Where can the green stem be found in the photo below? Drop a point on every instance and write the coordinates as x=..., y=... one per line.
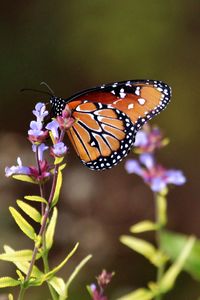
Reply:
x=161, y=268
x=160, y=215
x=21, y=293
x=43, y=227
x=45, y=215
x=46, y=270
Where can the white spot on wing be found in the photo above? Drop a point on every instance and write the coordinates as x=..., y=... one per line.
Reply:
x=141, y=101
x=130, y=106
x=128, y=83
x=137, y=91
x=122, y=94
x=159, y=89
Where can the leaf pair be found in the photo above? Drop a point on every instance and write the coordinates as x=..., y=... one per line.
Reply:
x=21, y=260
x=148, y=250
x=182, y=259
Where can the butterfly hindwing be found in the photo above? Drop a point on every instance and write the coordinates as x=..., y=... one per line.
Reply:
x=101, y=135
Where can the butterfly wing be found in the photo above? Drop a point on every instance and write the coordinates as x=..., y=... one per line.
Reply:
x=109, y=116
x=139, y=99
x=101, y=136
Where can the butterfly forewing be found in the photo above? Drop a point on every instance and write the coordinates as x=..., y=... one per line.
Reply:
x=137, y=98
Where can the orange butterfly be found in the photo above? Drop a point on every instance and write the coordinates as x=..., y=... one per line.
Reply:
x=109, y=116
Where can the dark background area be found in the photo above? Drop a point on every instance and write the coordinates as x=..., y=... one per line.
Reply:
x=74, y=45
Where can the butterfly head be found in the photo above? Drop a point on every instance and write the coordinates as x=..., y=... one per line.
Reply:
x=57, y=105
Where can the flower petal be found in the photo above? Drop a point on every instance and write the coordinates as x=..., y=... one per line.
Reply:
x=141, y=139
x=19, y=161
x=35, y=125
x=41, y=148
x=20, y=169
x=59, y=149
x=132, y=166
x=157, y=184
x=40, y=111
x=175, y=177
x=53, y=127
x=147, y=160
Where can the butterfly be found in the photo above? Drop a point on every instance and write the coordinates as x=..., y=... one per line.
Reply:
x=109, y=116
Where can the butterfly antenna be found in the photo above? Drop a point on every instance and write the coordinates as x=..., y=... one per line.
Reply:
x=48, y=87
x=37, y=91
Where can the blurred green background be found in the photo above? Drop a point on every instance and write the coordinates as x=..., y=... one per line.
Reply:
x=77, y=44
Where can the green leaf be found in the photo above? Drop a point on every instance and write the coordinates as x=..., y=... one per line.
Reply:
x=8, y=281
x=10, y=297
x=50, y=274
x=18, y=256
x=88, y=287
x=59, y=285
x=61, y=167
x=144, y=226
x=52, y=137
x=153, y=286
x=34, y=281
x=24, y=266
x=30, y=211
x=169, y=278
x=139, y=294
x=58, y=160
x=75, y=273
x=146, y=249
x=57, y=189
x=51, y=229
x=20, y=275
x=24, y=178
x=22, y=223
x=36, y=199
x=173, y=243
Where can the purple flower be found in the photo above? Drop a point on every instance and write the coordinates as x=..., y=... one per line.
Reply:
x=43, y=174
x=104, y=278
x=41, y=148
x=36, y=134
x=59, y=149
x=149, y=139
x=19, y=169
x=141, y=139
x=40, y=112
x=156, y=176
x=98, y=291
x=35, y=129
x=65, y=120
x=30, y=171
x=53, y=127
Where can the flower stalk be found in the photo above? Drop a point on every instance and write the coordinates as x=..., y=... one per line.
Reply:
x=161, y=220
x=40, y=174
x=45, y=216
x=157, y=178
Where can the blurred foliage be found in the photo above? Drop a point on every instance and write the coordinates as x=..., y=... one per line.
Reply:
x=173, y=243
x=77, y=44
